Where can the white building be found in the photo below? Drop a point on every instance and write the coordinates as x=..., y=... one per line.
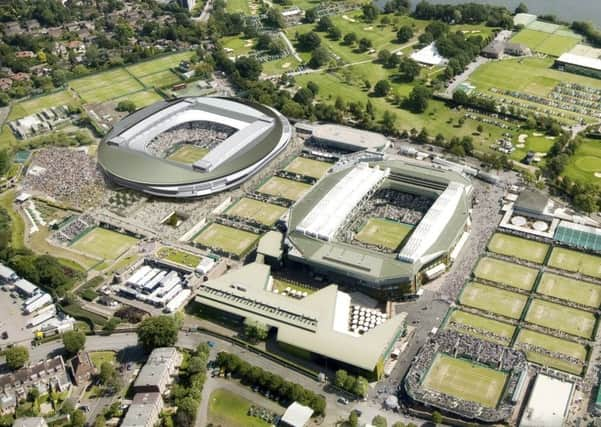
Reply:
x=548, y=403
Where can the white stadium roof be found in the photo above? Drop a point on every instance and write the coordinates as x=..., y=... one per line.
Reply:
x=328, y=215
x=429, y=55
x=581, y=61
x=432, y=224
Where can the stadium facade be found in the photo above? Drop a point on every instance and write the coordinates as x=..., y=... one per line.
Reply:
x=319, y=222
x=235, y=139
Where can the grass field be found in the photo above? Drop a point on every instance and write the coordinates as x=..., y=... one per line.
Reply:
x=507, y=273
x=383, y=232
x=160, y=64
x=279, y=66
x=99, y=357
x=308, y=167
x=465, y=380
x=495, y=300
x=569, y=260
x=160, y=79
x=34, y=105
x=178, y=256
x=285, y=188
x=550, y=44
x=556, y=345
x=238, y=45
x=229, y=409
x=562, y=318
x=537, y=144
x=585, y=162
x=142, y=98
x=105, y=86
x=188, y=154
x=263, y=213
x=238, y=6
x=104, y=243
x=517, y=247
x=570, y=289
x=502, y=330
x=228, y=239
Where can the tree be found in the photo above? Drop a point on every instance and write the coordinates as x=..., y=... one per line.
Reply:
x=308, y=41
x=436, y=417
x=334, y=33
x=248, y=67
x=16, y=357
x=78, y=418
x=126, y=105
x=100, y=421
x=522, y=8
x=417, y=102
x=404, y=34
x=370, y=12
x=4, y=161
x=353, y=419
x=379, y=421
x=319, y=57
x=340, y=379
x=397, y=6
x=4, y=99
x=389, y=122
x=186, y=412
x=365, y=44
x=255, y=331
x=108, y=375
x=74, y=341
x=361, y=387
x=382, y=88
x=350, y=39
x=409, y=69
x=586, y=201
x=160, y=331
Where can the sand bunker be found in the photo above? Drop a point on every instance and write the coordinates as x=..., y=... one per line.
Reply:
x=286, y=65
x=597, y=174
x=348, y=18
x=368, y=28
x=248, y=43
x=519, y=145
x=550, y=137
x=522, y=138
x=537, y=134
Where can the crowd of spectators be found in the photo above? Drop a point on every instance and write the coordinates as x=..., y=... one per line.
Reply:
x=74, y=228
x=200, y=134
x=68, y=175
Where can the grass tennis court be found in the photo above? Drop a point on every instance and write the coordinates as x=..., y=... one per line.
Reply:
x=505, y=272
x=104, y=243
x=105, y=86
x=160, y=64
x=188, y=154
x=567, y=319
x=517, y=247
x=491, y=299
x=556, y=345
x=284, y=188
x=142, y=98
x=550, y=44
x=383, y=232
x=228, y=239
x=570, y=289
x=575, y=261
x=465, y=380
x=308, y=167
x=35, y=105
x=160, y=79
x=503, y=331
x=263, y=213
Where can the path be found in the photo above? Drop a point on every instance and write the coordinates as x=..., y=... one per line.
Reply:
x=291, y=48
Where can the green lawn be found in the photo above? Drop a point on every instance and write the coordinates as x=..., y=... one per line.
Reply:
x=261, y=212
x=465, y=380
x=550, y=44
x=285, y=188
x=228, y=239
x=556, y=345
x=104, y=243
x=160, y=79
x=586, y=162
x=160, y=64
x=188, y=154
x=99, y=357
x=105, y=86
x=17, y=224
x=141, y=98
x=569, y=260
x=384, y=232
x=518, y=247
x=7, y=138
x=308, y=167
x=494, y=300
x=503, y=331
x=567, y=319
x=280, y=66
x=238, y=45
x=238, y=6
x=569, y=289
x=537, y=144
x=34, y=105
x=231, y=410
x=506, y=272
x=178, y=256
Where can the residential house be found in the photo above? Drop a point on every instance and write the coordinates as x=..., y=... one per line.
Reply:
x=27, y=54
x=157, y=372
x=5, y=83
x=12, y=28
x=32, y=25
x=81, y=368
x=144, y=410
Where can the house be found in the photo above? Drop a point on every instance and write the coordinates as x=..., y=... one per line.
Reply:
x=55, y=32
x=20, y=77
x=5, y=83
x=156, y=373
x=493, y=50
x=144, y=410
x=27, y=54
x=32, y=25
x=517, y=49
x=81, y=368
x=76, y=45
x=30, y=421
x=12, y=29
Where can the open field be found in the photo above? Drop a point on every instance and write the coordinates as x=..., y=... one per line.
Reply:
x=160, y=79
x=228, y=239
x=505, y=272
x=104, y=243
x=238, y=45
x=34, y=105
x=503, y=331
x=141, y=98
x=517, y=247
x=263, y=213
x=536, y=144
x=280, y=66
x=567, y=319
x=570, y=289
x=178, y=256
x=465, y=380
x=188, y=154
x=384, y=232
x=495, y=300
x=285, y=188
x=160, y=64
x=580, y=262
x=583, y=165
x=238, y=6
x=99, y=357
x=556, y=345
x=550, y=44
x=308, y=167
x=229, y=409
x=105, y=86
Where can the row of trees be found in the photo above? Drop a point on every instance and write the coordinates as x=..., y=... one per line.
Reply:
x=468, y=13
x=356, y=385
x=284, y=391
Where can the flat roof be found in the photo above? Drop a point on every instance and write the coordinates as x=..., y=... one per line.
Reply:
x=581, y=61
x=429, y=55
x=548, y=402
x=143, y=407
x=271, y=244
x=156, y=367
x=361, y=139
x=310, y=323
x=297, y=415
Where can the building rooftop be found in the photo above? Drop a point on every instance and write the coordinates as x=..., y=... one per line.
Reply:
x=30, y=422
x=156, y=367
x=581, y=61
x=429, y=55
x=142, y=408
x=532, y=201
x=271, y=244
x=548, y=402
x=314, y=323
x=350, y=137
x=297, y=415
